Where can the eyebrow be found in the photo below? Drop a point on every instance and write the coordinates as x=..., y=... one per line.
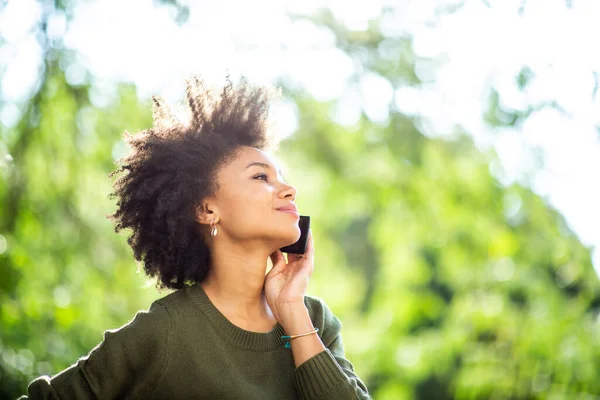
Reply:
x=267, y=166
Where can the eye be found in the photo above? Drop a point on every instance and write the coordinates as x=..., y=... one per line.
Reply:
x=262, y=175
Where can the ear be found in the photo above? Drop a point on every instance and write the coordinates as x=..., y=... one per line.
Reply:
x=205, y=212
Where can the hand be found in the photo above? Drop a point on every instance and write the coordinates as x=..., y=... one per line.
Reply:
x=286, y=283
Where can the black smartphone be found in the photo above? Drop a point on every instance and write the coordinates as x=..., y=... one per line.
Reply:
x=300, y=246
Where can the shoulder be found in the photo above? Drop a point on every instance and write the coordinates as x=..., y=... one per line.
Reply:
x=323, y=318
x=152, y=325
x=147, y=329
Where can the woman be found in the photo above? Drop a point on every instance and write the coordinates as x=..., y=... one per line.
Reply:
x=203, y=199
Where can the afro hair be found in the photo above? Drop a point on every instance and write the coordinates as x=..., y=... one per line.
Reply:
x=173, y=166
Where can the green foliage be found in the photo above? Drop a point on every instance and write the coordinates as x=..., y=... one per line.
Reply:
x=452, y=285
x=462, y=288
x=71, y=276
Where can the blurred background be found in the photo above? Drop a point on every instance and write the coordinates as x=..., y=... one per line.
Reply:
x=445, y=150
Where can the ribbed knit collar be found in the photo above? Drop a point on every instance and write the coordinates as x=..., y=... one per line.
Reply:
x=241, y=338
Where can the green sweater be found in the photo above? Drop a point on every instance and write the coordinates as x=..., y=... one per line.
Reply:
x=183, y=347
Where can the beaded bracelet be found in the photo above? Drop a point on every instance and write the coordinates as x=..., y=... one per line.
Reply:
x=288, y=345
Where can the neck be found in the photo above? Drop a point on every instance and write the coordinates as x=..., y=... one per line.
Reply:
x=235, y=283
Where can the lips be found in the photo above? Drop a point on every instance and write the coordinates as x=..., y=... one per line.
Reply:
x=294, y=209
x=290, y=209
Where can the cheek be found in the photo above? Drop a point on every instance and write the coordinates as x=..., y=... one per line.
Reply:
x=261, y=203
x=250, y=205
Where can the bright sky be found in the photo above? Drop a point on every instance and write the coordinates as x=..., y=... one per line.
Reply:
x=483, y=46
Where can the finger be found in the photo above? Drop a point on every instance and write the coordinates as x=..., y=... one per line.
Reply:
x=295, y=257
x=310, y=247
x=278, y=260
x=276, y=257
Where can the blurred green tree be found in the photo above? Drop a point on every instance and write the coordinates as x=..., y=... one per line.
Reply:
x=66, y=276
x=462, y=287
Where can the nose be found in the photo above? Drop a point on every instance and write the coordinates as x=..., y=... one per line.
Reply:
x=287, y=191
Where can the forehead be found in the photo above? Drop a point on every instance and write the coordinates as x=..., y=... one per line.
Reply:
x=247, y=155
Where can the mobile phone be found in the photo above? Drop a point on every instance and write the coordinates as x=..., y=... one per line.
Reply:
x=300, y=246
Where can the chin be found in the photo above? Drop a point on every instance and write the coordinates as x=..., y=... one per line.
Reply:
x=290, y=236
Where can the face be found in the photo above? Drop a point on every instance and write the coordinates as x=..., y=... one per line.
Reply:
x=245, y=205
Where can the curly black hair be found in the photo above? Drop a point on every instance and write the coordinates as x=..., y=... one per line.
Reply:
x=172, y=167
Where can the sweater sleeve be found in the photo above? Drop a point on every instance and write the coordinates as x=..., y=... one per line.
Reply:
x=328, y=374
x=127, y=363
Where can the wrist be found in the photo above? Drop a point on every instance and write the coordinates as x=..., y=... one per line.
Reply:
x=295, y=319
